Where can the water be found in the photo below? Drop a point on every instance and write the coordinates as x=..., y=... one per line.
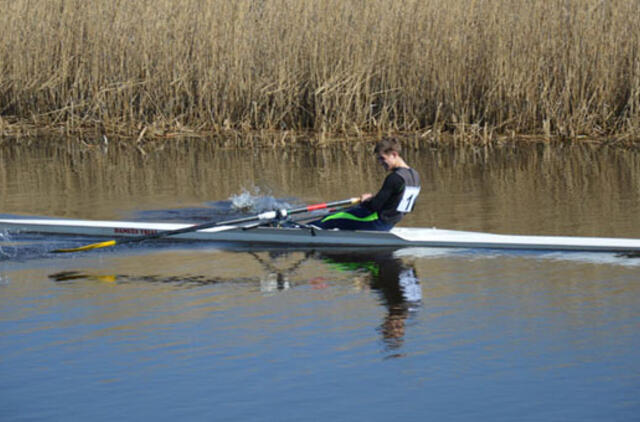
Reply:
x=204, y=332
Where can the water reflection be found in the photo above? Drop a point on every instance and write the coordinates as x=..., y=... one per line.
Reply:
x=189, y=280
x=393, y=279
x=276, y=279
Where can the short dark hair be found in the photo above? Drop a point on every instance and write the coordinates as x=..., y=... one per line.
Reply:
x=386, y=145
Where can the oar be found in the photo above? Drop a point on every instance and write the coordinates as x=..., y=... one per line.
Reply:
x=269, y=215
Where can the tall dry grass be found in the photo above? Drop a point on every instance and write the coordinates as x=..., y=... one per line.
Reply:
x=555, y=67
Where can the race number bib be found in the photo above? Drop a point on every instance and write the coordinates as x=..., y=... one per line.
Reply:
x=408, y=199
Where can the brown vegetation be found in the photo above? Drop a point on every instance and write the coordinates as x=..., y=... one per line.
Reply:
x=154, y=67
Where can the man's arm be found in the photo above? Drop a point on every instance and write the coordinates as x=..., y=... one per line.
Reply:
x=391, y=185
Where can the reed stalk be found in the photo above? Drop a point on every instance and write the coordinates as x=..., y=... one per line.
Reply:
x=478, y=68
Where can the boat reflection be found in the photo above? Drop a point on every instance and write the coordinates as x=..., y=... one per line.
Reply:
x=391, y=277
x=276, y=279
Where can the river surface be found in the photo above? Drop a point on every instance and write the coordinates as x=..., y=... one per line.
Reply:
x=169, y=330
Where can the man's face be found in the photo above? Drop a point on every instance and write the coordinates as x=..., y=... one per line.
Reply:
x=387, y=160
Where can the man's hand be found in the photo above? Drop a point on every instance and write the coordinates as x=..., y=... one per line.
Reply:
x=365, y=197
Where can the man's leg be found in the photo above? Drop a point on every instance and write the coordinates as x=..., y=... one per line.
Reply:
x=356, y=218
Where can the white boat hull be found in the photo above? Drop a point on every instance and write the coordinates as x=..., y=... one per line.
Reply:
x=397, y=237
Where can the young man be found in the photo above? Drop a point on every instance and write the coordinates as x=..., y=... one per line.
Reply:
x=384, y=210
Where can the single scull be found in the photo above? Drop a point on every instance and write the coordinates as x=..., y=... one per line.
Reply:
x=305, y=237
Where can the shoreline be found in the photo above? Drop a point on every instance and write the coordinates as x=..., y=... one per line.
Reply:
x=471, y=135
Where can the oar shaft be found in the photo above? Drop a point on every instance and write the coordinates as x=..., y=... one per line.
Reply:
x=327, y=210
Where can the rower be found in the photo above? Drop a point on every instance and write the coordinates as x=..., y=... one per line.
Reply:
x=396, y=198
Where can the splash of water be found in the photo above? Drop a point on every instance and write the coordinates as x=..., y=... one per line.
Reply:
x=21, y=247
x=256, y=201
x=7, y=250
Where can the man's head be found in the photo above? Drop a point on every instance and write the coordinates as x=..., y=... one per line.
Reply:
x=386, y=145
x=387, y=152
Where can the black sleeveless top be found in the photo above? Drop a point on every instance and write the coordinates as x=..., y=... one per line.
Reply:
x=390, y=202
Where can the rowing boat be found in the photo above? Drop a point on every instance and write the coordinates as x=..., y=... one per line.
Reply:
x=297, y=236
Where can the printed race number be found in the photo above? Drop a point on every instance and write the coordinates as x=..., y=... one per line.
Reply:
x=408, y=199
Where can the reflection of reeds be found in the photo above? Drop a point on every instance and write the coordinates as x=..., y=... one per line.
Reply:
x=528, y=189
x=560, y=67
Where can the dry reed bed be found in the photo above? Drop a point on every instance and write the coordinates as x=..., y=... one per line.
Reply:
x=152, y=67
